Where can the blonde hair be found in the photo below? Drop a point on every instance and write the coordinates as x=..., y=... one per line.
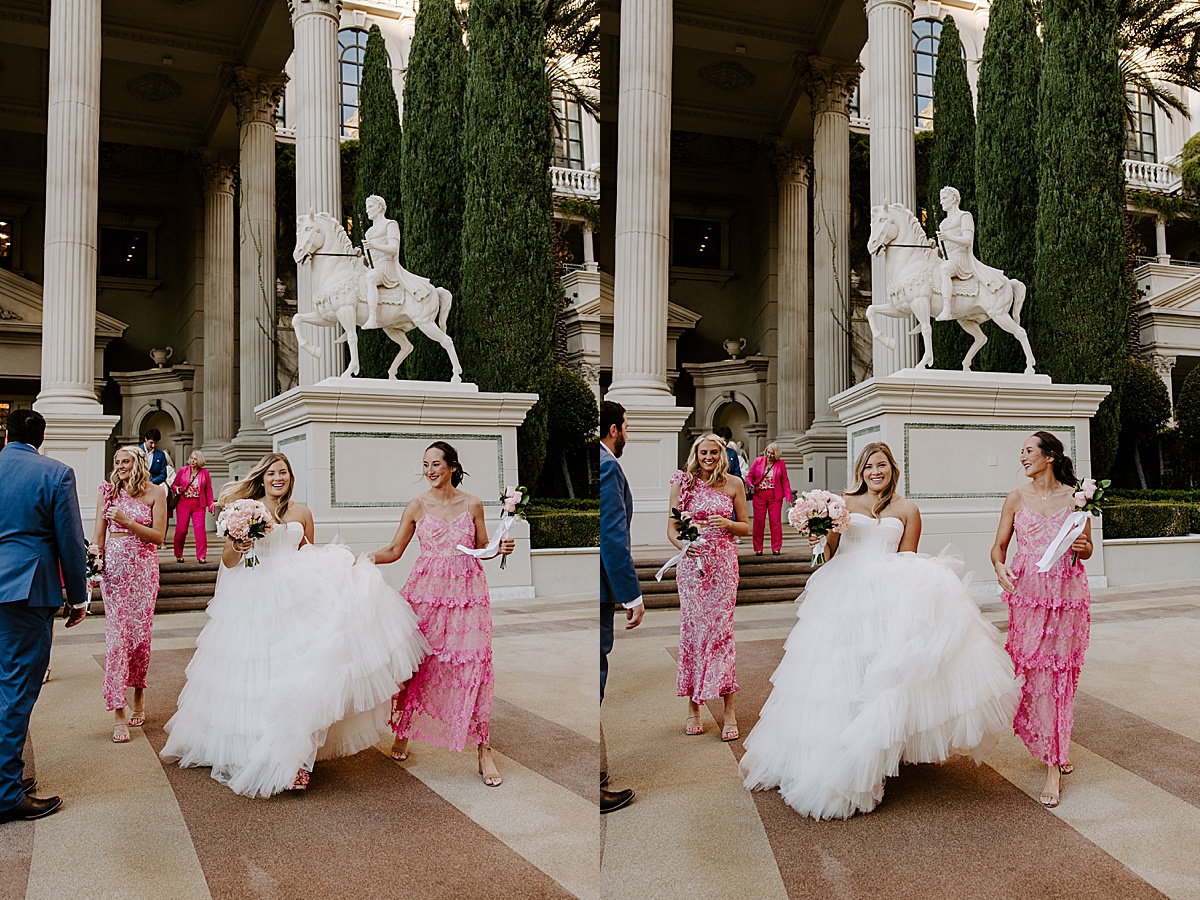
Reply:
x=251, y=487
x=139, y=478
x=693, y=461
x=860, y=483
x=200, y=460
x=772, y=449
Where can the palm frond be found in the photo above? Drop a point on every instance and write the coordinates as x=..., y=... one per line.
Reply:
x=1158, y=42
x=573, y=55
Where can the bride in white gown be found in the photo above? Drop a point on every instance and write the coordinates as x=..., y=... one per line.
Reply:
x=300, y=657
x=890, y=661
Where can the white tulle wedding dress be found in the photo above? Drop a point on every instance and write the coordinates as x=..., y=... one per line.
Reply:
x=299, y=661
x=890, y=661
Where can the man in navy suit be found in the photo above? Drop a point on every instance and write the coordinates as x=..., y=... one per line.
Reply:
x=156, y=459
x=40, y=531
x=618, y=578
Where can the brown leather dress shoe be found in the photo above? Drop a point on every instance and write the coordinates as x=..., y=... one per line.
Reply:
x=31, y=808
x=611, y=801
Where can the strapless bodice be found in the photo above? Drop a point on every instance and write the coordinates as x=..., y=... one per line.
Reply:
x=868, y=535
x=281, y=539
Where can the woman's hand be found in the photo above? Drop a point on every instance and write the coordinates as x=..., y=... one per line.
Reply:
x=243, y=547
x=813, y=540
x=1007, y=580
x=116, y=516
x=507, y=546
x=718, y=522
x=1081, y=544
x=365, y=557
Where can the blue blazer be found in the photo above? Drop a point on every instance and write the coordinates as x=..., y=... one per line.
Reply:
x=618, y=578
x=40, y=528
x=158, y=465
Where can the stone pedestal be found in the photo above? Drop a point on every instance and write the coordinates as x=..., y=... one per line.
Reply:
x=650, y=459
x=957, y=439
x=823, y=460
x=82, y=442
x=356, y=446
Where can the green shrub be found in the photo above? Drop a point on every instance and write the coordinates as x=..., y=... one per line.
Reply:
x=1146, y=520
x=1153, y=494
x=1190, y=165
x=557, y=528
x=538, y=504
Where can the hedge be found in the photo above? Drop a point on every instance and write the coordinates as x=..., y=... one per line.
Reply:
x=557, y=528
x=1145, y=520
x=579, y=503
x=1153, y=494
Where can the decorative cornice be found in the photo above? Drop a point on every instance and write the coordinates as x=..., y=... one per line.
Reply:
x=831, y=85
x=217, y=172
x=255, y=94
x=791, y=163
x=154, y=87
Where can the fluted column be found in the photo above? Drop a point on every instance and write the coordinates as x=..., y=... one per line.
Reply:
x=893, y=152
x=218, y=173
x=643, y=204
x=831, y=86
x=791, y=166
x=318, y=152
x=77, y=431
x=255, y=96
x=72, y=177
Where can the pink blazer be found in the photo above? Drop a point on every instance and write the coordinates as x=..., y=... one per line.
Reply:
x=203, y=482
x=782, y=489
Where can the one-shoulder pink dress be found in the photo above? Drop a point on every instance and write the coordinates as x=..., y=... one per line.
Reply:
x=1048, y=627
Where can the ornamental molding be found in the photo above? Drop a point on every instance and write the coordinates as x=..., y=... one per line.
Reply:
x=791, y=162
x=255, y=94
x=727, y=75
x=154, y=87
x=1162, y=364
x=218, y=172
x=831, y=85
x=7, y=315
x=301, y=8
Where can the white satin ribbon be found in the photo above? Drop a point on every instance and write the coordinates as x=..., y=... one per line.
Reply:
x=1071, y=529
x=493, y=547
x=674, y=560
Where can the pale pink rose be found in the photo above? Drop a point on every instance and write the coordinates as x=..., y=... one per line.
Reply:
x=1080, y=499
x=1089, y=488
x=510, y=505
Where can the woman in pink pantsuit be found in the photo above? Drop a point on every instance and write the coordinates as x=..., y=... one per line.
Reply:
x=769, y=485
x=1048, y=613
x=448, y=701
x=131, y=523
x=195, y=499
x=715, y=502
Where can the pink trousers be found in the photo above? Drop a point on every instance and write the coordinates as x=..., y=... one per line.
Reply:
x=764, y=506
x=190, y=511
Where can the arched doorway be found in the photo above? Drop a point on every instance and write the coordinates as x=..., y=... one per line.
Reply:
x=163, y=421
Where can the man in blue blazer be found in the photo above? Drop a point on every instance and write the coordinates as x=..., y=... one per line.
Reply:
x=40, y=531
x=156, y=459
x=618, y=578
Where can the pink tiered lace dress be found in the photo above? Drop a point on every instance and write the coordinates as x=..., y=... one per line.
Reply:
x=129, y=588
x=1048, y=625
x=448, y=702
x=706, y=600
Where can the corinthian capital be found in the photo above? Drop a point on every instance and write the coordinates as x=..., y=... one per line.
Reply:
x=301, y=8
x=255, y=94
x=831, y=85
x=791, y=163
x=217, y=172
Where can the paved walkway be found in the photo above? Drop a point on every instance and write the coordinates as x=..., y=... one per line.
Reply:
x=1128, y=825
x=367, y=826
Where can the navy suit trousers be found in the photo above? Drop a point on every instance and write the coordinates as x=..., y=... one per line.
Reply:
x=608, y=612
x=25, y=635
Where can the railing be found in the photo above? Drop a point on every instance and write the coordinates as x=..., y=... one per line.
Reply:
x=575, y=183
x=1149, y=176
x=1144, y=260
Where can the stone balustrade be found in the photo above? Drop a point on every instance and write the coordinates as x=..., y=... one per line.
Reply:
x=1150, y=176
x=579, y=183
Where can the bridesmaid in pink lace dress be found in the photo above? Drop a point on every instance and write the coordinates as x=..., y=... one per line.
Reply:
x=448, y=702
x=1048, y=613
x=708, y=494
x=131, y=522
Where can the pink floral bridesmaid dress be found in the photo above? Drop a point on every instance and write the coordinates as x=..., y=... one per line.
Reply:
x=706, y=600
x=129, y=588
x=1048, y=625
x=448, y=702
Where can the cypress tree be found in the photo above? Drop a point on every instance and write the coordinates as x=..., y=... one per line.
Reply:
x=432, y=171
x=506, y=326
x=952, y=163
x=378, y=173
x=1006, y=161
x=1078, y=324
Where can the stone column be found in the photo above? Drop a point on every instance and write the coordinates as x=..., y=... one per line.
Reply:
x=831, y=85
x=318, y=153
x=589, y=249
x=791, y=168
x=218, y=174
x=77, y=430
x=893, y=153
x=1160, y=240
x=1164, y=365
x=255, y=96
x=642, y=262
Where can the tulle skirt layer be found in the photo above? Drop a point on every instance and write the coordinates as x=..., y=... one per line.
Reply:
x=298, y=662
x=890, y=661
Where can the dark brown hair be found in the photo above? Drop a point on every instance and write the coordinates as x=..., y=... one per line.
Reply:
x=450, y=455
x=1052, y=447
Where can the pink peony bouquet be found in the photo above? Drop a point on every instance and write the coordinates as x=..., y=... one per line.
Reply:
x=245, y=520
x=1088, y=494
x=819, y=513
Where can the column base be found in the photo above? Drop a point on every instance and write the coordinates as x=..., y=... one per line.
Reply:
x=824, y=465
x=651, y=456
x=245, y=450
x=82, y=442
x=217, y=465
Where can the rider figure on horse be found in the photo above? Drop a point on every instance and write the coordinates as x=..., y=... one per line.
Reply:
x=957, y=237
x=382, y=239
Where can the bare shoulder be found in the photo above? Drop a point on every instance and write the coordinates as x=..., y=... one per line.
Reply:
x=1014, y=498
x=735, y=484
x=298, y=512
x=904, y=508
x=474, y=504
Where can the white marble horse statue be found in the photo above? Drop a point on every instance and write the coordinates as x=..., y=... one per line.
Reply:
x=339, y=276
x=916, y=277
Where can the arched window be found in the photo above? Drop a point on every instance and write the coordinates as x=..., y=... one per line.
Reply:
x=927, y=34
x=1140, y=140
x=352, y=49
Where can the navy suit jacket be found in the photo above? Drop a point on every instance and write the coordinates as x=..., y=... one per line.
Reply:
x=40, y=529
x=157, y=463
x=618, y=578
